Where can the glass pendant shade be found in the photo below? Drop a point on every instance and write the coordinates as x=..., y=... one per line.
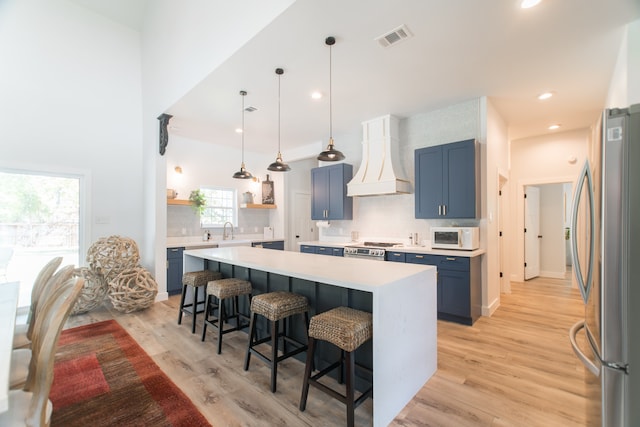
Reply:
x=279, y=165
x=330, y=154
x=243, y=173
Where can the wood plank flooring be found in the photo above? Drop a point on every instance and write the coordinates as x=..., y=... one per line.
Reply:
x=515, y=368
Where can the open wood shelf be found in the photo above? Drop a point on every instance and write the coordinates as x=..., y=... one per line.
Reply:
x=179, y=202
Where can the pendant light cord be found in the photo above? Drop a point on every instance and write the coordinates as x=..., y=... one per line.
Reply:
x=330, y=99
x=243, y=94
x=279, y=75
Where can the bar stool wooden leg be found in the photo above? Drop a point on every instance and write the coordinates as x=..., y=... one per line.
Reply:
x=195, y=309
x=274, y=354
x=184, y=293
x=252, y=333
x=308, y=368
x=350, y=387
x=222, y=316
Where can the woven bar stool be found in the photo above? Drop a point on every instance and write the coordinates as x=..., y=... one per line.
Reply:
x=195, y=280
x=276, y=306
x=347, y=329
x=224, y=289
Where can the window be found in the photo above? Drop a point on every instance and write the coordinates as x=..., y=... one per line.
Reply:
x=221, y=207
x=40, y=219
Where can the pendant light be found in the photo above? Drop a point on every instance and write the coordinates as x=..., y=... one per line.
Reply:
x=242, y=173
x=330, y=154
x=279, y=165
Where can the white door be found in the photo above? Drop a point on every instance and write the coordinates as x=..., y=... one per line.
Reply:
x=532, y=232
x=304, y=229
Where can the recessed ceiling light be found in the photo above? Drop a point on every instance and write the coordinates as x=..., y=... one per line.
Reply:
x=526, y=4
x=545, y=95
x=316, y=95
x=238, y=130
x=554, y=127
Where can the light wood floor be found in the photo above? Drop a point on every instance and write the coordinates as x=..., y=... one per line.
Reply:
x=515, y=368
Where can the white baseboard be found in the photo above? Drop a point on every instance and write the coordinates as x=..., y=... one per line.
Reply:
x=489, y=310
x=552, y=274
x=162, y=296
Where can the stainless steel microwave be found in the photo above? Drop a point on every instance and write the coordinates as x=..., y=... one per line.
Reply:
x=459, y=238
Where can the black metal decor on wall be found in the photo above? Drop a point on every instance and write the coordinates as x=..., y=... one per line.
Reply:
x=164, y=135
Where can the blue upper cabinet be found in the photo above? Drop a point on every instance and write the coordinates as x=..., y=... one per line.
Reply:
x=329, y=192
x=446, y=181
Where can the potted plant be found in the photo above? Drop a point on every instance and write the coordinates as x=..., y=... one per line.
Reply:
x=198, y=201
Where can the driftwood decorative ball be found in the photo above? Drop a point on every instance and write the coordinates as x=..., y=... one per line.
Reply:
x=133, y=289
x=109, y=256
x=93, y=291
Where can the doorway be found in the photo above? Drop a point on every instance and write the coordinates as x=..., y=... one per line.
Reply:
x=547, y=217
x=39, y=220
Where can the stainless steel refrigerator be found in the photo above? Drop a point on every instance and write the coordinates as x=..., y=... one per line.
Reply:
x=605, y=233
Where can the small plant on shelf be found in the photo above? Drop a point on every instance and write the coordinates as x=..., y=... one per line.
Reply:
x=198, y=201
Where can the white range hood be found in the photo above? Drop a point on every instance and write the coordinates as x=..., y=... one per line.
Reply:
x=376, y=175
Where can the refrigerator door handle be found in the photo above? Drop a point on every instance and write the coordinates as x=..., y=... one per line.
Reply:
x=595, y=370
x=584, y=283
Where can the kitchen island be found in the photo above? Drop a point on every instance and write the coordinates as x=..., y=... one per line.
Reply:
x=401, y=298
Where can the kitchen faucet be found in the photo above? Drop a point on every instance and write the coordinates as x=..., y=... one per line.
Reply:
x=225, y=236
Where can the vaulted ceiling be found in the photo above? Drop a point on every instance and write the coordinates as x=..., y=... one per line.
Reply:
x=459, y=50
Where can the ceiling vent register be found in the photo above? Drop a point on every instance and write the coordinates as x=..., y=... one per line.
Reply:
x=395, y=36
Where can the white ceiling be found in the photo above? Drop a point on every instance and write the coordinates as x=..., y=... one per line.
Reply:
x=461, y=49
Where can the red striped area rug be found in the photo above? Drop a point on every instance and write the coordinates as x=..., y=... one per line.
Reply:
x=102, y=377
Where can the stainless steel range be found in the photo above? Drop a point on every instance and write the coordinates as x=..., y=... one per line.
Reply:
x=369, y=250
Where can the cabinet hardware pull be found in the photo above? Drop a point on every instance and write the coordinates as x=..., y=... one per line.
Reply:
x=419, y=256
x=444, y=210
x=396, y=254
x=450, y=259
x=439, y=209
x=174, y=250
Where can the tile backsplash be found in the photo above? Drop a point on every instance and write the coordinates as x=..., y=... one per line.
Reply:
x=184, y=221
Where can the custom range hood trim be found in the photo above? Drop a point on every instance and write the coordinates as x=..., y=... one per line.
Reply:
x=376, y=175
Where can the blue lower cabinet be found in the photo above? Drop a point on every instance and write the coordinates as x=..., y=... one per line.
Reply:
x=277, y=245
x=325, y=250
x=308, y=249
x=322, y=250
x=174, y=270
x=395, y=256
x=459, y=285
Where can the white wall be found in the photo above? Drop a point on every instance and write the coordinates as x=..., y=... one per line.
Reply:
x=182, y=42
x=497, y=168
x=71, y=101
x=624, y=89
x=544, y=159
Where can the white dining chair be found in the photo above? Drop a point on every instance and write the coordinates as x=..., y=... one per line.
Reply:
x=31, y=406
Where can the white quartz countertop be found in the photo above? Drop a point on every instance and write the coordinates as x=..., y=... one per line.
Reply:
x=427, y=250
x=353, y=273
x=197, y=242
